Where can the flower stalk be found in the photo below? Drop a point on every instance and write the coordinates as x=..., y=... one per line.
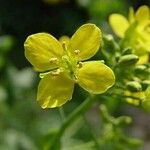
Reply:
x=81, y=109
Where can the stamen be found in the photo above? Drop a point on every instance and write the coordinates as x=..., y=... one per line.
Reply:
x=77, y=51
x=64, y=46
x=53, y=60
x=43, y=74
x=56, y=72
x=80, y=64
x=76, y=81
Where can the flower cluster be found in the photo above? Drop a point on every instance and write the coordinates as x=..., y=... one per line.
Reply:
x=61, y=64
x=135, y=31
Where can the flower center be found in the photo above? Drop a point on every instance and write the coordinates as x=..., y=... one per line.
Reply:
x=69, y=63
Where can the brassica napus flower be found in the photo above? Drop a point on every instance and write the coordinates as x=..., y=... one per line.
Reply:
x=135, y=31
x=62, y=65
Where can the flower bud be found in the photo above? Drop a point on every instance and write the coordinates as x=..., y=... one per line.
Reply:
x=142, y=71
x=127, y=51
x=126, y=60
x=134, y=86
x=110, y=43
x=145, y=84
x=140, y=68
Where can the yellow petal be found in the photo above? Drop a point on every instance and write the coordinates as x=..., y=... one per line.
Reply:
x=131, y=15
x=143, y=59
x=95, y=77
x=86, y=40
x=119, y=24
x=142, y=44
x=54, y=91
x=40, y=48
x=142, y=14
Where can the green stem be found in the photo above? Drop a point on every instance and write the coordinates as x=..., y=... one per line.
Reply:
x=62, y=114
x=96, y=142
x=70, y=119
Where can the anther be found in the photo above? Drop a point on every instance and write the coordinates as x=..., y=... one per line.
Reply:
x=77, y=51
x=64, y=46
x=56, y=73
x=79, y=65
x=53, y=60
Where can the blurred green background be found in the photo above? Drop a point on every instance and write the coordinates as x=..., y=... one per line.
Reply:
x=22, y=121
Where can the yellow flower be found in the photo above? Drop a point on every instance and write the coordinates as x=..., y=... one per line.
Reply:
x=60, y=62
x=135, y=31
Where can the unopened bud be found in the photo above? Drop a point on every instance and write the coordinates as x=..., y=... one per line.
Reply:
x=110, y=44
x=141, y=70
x=127, y=60
x=145, y=84
x=127, y=51
x=134, y=86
